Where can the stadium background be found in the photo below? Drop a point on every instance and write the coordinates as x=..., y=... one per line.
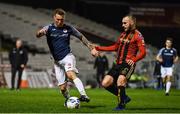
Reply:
x=100, y=21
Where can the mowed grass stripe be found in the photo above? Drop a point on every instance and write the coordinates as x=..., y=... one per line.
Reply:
x=51, y=101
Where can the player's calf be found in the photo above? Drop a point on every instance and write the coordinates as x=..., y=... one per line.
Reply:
x=127, y=99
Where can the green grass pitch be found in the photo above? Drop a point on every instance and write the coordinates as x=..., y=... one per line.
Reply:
x=51, y=101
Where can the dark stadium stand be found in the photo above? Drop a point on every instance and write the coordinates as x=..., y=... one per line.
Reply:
x=21, y=21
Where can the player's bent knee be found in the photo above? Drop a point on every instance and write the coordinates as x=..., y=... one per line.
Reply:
x=107, y=81
x=104, y=84
x=168, y=78
x=121, y=84
x=71, y=75
x=121, y=81
x=62, y=87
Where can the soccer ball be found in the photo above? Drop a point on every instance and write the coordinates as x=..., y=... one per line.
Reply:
x=73, y=102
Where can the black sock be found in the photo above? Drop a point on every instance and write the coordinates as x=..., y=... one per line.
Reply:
x=113, y=89
x=122, y=94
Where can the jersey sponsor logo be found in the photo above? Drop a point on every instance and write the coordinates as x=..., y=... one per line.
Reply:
x=58, y=35
x=53, y=29
x=168, y=54
x=65, y=30
x=124, y=40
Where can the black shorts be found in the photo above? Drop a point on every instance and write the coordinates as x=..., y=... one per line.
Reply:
x=121, y=69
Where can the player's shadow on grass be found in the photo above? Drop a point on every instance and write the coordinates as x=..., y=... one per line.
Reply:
x=174, y=109
x=94, y=106
x=174, y=95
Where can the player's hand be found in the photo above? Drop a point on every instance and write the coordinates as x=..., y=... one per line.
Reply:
x=92, y=46
x=22, y=65
x=130, y=62
x=94, y=52
x=160, y=60
x=42, y=31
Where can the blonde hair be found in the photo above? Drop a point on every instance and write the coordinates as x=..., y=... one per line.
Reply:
x=59, y=11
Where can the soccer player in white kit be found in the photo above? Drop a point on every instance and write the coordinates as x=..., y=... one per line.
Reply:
x=167, y=56
x=58, y=39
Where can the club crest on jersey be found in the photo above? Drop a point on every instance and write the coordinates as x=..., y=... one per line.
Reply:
x=65, y=30
x=21, y=52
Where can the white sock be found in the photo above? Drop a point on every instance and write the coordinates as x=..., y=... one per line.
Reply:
x=168, y=86
x=79, y=85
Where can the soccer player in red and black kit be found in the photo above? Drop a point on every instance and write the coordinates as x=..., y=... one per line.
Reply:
x=130, y=48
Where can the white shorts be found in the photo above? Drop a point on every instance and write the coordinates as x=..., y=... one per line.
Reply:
x=166, y=71
x=68, y=63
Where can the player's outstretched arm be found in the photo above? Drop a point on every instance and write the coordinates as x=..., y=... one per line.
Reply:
x=87, y=43
x=176, y=59
x=91, y=46
x=159, y=58
x=94, y=52
x=40, y=33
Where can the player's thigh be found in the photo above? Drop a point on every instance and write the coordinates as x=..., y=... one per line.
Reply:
x=71, y=74
x=121, y=80
x=169, y=78
x=69, y=63
x=169, y=73
x=107, y=81
x=163, y=72
x=63, y=86
x=60, y=74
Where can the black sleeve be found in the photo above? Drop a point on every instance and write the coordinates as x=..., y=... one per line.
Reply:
x=10, y=56
x=157, y=68
x=25, y=56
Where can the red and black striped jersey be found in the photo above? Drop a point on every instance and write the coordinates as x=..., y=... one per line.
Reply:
x=129, y=46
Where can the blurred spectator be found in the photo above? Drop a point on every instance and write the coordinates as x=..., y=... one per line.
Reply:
x=18, y=58
x=167, y=56
x=157, y=74
x=101, y=65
